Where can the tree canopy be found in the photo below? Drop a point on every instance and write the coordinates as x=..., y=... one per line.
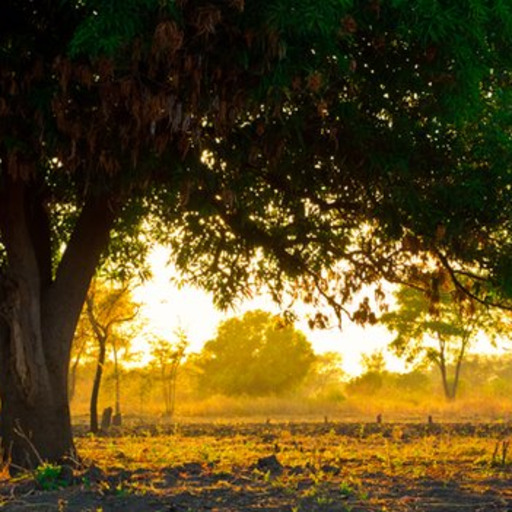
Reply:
x=277, y=125
x=254, y=355
x=307, y=147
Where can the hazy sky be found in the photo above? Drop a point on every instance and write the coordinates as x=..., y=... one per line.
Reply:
x=165, y=308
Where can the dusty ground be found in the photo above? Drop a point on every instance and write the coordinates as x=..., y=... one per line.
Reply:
x=292, y=467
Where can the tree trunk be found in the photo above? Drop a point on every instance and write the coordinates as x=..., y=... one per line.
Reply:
x=165, y=389
x=36, y=421
x=444, y=376
x=38, y=317
x=73, y=372
x=37, y=431
x=173, y=379
x=441, y=363
x=96, y=386
x=72, y=379
x=456, y=378
x=458, y=365
x=117, y=380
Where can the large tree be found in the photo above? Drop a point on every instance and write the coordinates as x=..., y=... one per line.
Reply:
x=266, y=141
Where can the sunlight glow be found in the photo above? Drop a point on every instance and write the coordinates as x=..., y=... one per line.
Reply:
x=166, y=308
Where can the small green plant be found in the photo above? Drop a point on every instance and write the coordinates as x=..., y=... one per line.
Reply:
x=121, y=490
x=346, y=490
x=48, y=476
x=324, y=500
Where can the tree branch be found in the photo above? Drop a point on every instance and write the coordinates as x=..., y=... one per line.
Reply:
x=462, y=288
x=65, y=298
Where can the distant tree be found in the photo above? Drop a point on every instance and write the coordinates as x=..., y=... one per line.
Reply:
x=438, y=329
x=121, y=353
x=372, y=378
x=106, y=308
x=140, y=381
x=79, y=349
x=167, y=357
x=325, y=376
x=373, y=362
x=415, y=381
x=490, y=374
x=256, y=354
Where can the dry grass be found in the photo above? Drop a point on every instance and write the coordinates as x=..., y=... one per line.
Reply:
x=284, y=467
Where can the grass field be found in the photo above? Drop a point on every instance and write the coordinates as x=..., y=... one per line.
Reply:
x=288, y=466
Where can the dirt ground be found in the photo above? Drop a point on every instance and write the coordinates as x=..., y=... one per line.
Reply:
x=292, y=467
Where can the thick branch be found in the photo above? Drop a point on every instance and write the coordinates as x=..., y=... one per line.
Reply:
x=39, y=227
x=99, y=331
x=15, y=229
x=65, y=298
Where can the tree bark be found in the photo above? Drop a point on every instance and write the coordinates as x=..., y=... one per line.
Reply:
x=39, y=430
x=96, y=387
x=117, y=379
x=441, y=363
x=38, y=316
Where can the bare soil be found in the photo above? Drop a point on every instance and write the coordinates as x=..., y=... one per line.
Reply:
x=289, y=467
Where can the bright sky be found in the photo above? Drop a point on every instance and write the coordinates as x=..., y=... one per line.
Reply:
x=165, y=308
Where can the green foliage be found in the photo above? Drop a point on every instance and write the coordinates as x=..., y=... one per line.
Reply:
x=347, y=489
x=402, y=388
x=108, y=26
x=368, y=384
x=436, y=328
x=255, y=355
x=325, y=378
x=109, y=317
x=400, y=107
x=413, y=382
x=48, y=477
x=374, y=362
x=302, y=147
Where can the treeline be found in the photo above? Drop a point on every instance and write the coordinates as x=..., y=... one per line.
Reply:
x=485, y=389
x=259, y=363
x=482, y=376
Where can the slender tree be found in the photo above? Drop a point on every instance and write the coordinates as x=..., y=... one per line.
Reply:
x=439, y=329
x=120, y=352
x=305, y=146
x=79, y=349
x=168, y=357
x=106, y=309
